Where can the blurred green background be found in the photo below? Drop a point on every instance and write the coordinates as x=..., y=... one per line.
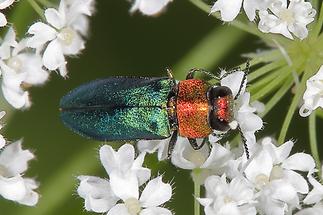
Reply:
x=122, y=44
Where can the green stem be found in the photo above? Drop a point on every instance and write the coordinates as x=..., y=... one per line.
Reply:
x=264, y=70
x=268, y=88
x=236, y=23
x=319, y=23
x=197, y=190
x=209, y=51
x=47, y=3
x=37, y=8
x=265, y=80
x=293, y=107
x=319, y=113
x=277, y=96
x=313, y=141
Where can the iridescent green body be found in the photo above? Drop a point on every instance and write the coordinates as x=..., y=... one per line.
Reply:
x=119, y=108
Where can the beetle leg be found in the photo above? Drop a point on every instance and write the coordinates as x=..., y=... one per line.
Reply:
x=194, y=144
x=171, y=143
x=191, y=73
x=244, y=141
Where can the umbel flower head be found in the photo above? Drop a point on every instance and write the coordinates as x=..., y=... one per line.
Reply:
x=120, y=193
x=63, y=35
x=276, y=16
x=19, y=67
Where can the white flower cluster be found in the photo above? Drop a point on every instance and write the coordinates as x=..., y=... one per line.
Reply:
x=28, y=62
x=269, y=183
x=276, y=16
x=120, y=193
x=313, y=96
x=13, y=164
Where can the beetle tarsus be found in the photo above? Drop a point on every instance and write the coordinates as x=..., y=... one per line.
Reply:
x=171, y=143
x=244, y=141
x=192, y=72
x=194, y=144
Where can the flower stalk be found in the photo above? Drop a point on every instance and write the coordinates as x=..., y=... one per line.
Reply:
x=197, y=190
x=37, y=8
x=313, y=141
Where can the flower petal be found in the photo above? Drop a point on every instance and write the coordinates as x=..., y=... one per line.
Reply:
x=121, y=160
x=3, y=20
x=31, y=198
x=42, y=33
x=119, y=209
x=149, y=7
x=97, y=194
x=75, y=46
x=53, y=56
x=6, y=3
x=233, y=81
x=124, y=186
x=316, y=195
x=14, y=159
x=151, y=146
x=32, y=65
x=155, y=193
x=228, y=9
x=143, y=174
x=155, y=211
x=261, y=164
x=298, y=181
x=54, y=18
x=13, y=188
x=299, y=161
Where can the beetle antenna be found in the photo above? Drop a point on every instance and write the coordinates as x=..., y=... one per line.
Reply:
x=169, y=73
x=246, y=72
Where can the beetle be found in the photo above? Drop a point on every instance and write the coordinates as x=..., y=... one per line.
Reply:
x=134, y=108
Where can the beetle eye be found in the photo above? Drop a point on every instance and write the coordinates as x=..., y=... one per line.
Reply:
x=218, y=91
x=220, y=98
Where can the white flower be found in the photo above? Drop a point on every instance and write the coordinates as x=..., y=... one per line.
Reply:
x=149, y=7
x=317, y=209
x=124, y=172
x=62, y=35
x=223, y=198
x=230, y=9
x=13, y=164
x=2, y=139
x=316, y=194
x=3, y=5
x=185, y=157
x=313, y=96
x=150, y=146
x=286, y=19
x=244, y=114
x=214, y=161
x=274, y=175
x=152, y=197
x=19, y=66
x=97, y=194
